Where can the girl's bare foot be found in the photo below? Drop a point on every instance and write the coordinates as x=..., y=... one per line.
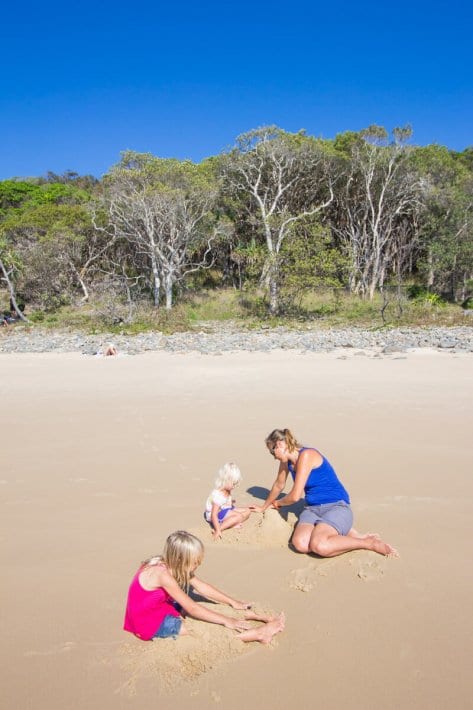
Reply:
x=264, y=634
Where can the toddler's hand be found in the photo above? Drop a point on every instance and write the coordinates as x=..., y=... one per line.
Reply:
x=217, y=535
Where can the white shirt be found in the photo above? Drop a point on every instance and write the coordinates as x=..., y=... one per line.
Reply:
x=220, y=498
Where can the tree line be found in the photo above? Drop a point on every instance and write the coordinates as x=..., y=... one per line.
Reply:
x=280, y=212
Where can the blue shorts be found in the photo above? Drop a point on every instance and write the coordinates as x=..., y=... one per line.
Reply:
x=170, y=626
x=339, y=515
x=221, y=514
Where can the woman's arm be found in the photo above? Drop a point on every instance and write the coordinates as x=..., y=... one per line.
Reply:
x=197, y=611
x=210, y=592
x=276, y=489
x=307, y=460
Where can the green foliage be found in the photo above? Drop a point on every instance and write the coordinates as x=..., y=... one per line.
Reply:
x=422, y=295
x=17, y=196
x=54, y=252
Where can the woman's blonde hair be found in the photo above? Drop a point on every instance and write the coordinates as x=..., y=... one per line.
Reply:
x=282, y=435
x=182, y=553
x=228, y=476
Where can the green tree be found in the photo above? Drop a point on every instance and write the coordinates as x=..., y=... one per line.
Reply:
x=378, y=200
x=445, y=258
x=278, y=180
x=164, y=210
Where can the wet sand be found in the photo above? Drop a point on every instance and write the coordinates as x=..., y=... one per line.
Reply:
x=102, y=458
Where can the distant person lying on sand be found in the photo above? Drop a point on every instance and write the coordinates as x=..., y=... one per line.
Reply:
x=110, y=350
x=220, y=510
x=158, y=596
x=325, y=524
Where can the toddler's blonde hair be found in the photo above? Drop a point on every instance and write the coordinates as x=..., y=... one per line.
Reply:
x=228, y=475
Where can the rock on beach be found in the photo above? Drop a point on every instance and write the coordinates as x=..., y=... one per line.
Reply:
x=217, y=338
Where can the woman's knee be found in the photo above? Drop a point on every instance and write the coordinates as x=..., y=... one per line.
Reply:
x=321, y=546
x=299, y=544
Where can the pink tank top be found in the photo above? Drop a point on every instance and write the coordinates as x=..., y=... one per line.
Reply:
x=146, y=610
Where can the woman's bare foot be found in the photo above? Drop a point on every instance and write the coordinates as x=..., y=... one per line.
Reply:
x=383, y=548
x=363, y=536
x=264, y=634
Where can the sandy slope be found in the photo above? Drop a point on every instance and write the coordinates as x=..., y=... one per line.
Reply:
x=102, y=458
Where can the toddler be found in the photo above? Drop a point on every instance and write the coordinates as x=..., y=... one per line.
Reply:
x=220, y=510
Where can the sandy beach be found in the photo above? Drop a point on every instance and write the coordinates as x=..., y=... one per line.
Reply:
x=103, y=457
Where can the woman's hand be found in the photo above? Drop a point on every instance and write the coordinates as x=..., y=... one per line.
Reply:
x=256, y=508
x=237, y=624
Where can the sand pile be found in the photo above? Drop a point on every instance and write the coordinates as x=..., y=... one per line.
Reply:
x=268, y=529
x=171, y=662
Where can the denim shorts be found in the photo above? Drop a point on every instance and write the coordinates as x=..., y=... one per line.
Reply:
x=339, y=515
x=170, y=626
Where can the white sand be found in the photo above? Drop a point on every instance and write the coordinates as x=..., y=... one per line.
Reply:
x=102, y=458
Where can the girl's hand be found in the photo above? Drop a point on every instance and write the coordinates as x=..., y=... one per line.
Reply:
x=237, y=624
x=217, y=535
x=241, y=605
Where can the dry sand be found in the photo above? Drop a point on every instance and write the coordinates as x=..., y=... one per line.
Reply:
x=102, y=458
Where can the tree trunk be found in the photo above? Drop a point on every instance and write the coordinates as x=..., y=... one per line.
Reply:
x=156, y=282
x=168, y=292
x=273, y=290
x=11, y=290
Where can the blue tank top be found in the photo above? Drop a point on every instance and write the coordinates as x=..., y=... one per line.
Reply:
x=322, y=485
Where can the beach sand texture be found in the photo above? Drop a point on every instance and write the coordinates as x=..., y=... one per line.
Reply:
x=103, y=458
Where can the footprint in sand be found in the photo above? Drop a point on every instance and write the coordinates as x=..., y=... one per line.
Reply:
x=367, y=568
x=66, y=647
x=304, y=579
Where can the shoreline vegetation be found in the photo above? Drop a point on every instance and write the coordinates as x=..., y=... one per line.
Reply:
x=364, y=228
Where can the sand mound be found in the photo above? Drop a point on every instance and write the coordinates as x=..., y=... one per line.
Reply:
x=260, y=530
x=172, y=662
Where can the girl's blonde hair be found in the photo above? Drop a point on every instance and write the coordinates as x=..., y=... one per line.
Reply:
x=228, y=476
x=282, y=435
x=182, y=553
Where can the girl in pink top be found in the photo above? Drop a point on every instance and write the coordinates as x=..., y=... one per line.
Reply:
x=158, y=597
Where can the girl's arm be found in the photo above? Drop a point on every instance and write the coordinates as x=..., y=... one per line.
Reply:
x=307, y=460
x=276, y=489
x=215, y=595
x=197, y=611
x=216, y=532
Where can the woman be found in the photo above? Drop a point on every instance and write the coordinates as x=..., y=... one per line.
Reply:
x=325, y=524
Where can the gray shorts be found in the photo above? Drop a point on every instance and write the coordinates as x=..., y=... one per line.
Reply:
x=338, y=515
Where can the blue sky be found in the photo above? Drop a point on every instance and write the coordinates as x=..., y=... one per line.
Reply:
x=81, y=82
